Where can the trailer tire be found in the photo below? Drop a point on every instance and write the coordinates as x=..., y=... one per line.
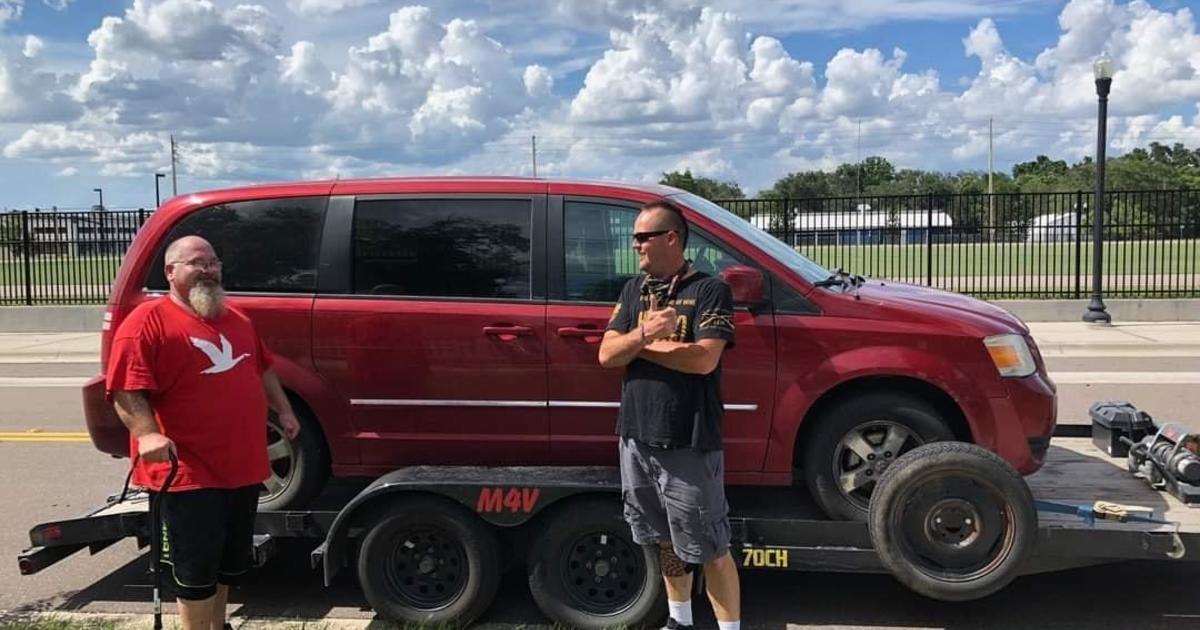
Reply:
x=872, y=419
x=429, y=561
x=953, y=521
x=623, y=588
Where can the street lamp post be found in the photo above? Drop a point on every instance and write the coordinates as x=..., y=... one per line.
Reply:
x=1096, y=312
x=101, y=192
x=157, y=200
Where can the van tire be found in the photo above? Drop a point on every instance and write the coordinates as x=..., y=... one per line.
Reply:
x=302, y=479
x=874, y=417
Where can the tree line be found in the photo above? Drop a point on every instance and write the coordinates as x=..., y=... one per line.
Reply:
x=1157, y=167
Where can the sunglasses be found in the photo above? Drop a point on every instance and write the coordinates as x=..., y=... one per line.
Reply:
x=644, y=237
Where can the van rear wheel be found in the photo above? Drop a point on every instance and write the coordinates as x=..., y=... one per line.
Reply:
x=299, y=468
x=855, y=442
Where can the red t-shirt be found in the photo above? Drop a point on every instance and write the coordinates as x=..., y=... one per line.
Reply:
x=204, y=381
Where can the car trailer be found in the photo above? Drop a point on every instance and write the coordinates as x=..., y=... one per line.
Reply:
x=949, y=520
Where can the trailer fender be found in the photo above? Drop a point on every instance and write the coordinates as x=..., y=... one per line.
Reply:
x=505, y=497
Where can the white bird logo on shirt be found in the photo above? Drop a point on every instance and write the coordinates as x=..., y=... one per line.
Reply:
x=222, y=359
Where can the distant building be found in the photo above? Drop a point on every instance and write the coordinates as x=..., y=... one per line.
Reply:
x=1052, y=228
x=863, y=227
x=77, y=234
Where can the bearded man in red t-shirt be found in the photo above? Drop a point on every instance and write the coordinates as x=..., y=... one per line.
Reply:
x=190, y=376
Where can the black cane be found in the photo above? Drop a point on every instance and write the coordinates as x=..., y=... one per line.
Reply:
x=156, y=538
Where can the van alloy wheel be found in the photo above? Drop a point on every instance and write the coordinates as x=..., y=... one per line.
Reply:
x=856, y=440
x=281, y=457
x=865, y=453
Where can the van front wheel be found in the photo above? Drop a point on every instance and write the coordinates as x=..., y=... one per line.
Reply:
x=855, y=442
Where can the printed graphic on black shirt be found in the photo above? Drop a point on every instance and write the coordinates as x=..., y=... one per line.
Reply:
x=660, y=406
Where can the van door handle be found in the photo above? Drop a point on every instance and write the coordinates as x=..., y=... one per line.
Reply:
x=508, y=333
x=590, y=335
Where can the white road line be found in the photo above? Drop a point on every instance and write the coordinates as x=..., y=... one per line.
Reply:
x=42, y=381
x=1125, y=378
x=1139, y=352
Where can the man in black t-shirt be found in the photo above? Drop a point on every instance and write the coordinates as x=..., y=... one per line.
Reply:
x=668, y=331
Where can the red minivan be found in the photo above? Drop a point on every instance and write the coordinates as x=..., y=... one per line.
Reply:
x=457, y=321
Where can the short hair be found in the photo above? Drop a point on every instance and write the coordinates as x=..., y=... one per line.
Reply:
x=679, y=223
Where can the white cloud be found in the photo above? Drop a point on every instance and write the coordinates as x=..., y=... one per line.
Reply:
x=669, y=84
x=69, y=171
x=52, y=142
x=784, y=16
x=538, y=81
x=325, y=7
x=428, y=92
x=28, y=93
x=33, y=46
x=10, y=11
x=984, y=41
x=304, y=69
x=58, y=5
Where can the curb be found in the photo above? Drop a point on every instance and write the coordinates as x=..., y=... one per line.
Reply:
x=140, y=621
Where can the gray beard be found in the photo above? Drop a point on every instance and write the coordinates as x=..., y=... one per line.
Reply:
x=208, y=300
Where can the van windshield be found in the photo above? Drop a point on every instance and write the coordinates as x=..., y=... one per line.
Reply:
x=772, y=246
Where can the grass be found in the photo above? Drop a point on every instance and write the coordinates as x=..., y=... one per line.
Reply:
x=1009, y=259
x=59, y=623
x=59, y=270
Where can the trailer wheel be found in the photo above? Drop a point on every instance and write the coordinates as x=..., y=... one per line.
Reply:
x=429, y=561
x=587, y=572
x=953, y=521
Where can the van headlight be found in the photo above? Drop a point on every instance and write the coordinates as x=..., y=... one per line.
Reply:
x=1011, y=355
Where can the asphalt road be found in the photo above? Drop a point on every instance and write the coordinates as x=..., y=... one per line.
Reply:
x=51, y=480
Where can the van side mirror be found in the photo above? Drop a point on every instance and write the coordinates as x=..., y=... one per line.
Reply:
x=746, y=283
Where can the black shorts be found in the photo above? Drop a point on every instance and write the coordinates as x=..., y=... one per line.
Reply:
x=207, y=539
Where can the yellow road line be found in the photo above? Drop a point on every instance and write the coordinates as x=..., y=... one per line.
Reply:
x=44, y=436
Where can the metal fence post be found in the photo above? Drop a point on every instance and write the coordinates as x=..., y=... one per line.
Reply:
x=929, y=243
x=1078, y=240
x=28, y=256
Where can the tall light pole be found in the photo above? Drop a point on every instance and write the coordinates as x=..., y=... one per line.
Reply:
x=157, y=200
x=101, y=192
x=1096, y=312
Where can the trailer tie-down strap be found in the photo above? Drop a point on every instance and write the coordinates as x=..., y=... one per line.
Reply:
x=1106, y=510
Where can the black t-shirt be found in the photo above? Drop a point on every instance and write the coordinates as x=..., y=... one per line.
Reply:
x=663, y=407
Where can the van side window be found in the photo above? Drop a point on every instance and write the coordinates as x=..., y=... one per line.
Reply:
x=457, y=248
x=599, y=256
x=265, y=246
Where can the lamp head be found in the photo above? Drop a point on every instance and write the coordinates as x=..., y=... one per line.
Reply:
x=1102, y=68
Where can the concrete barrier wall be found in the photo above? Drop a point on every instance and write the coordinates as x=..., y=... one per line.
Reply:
x=18, y=319
x=1121, y=310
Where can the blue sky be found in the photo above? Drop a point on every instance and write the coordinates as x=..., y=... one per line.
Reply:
x=261, y=90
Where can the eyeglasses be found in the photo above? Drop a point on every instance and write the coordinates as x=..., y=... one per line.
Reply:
x=644, y=237
x=198, y=263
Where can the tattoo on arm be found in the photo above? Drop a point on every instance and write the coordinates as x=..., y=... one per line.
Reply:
x=133, y=407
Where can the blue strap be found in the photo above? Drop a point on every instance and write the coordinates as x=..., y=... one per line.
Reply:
x=1088, y=513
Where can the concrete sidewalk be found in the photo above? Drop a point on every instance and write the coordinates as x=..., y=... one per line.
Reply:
x=50, y=347
x=1054, y=338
